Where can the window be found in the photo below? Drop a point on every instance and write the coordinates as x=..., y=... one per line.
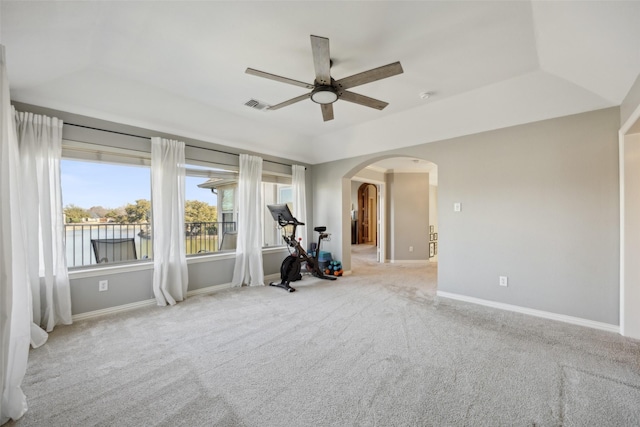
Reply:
x=225, y=190
x=105, y=204
x=275, y=189
x=203, y=228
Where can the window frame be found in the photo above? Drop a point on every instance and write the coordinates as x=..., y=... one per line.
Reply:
x=92, y=153
x=124, y=149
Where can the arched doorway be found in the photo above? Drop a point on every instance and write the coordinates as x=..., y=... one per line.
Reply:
x=402, y=191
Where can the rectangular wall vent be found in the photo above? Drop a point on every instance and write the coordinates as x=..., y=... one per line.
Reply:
x=257, y=105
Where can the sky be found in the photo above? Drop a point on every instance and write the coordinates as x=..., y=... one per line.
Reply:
x=87, y=184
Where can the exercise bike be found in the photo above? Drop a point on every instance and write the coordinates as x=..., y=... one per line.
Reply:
x=291, y=267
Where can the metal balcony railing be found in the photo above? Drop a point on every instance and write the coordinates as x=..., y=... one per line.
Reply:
x=200, y=237
x=204, y=237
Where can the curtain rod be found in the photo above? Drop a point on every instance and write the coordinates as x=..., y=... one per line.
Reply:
x=149, y=138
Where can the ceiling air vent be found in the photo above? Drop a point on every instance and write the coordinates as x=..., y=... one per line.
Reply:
x=256, y=105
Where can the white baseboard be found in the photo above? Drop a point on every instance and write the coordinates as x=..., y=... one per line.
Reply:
x=408, y=261
x=111, y=310
x=148, y=302
x=533, y=312
x=145, y=303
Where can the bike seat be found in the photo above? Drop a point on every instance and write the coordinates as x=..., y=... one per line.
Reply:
x=320, y=229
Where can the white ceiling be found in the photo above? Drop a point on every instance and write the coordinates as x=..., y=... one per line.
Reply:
x=179, y=67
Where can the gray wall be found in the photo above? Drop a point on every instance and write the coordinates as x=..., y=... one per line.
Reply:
x=136, y=138
x=540, y=204
x=408, y=216
x=124, y=288
x=135, y=286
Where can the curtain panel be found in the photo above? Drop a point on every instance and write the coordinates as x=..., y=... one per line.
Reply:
x=299, y=183
x=40, y=145
x=170, y=274
x=248, y=268
x=15, y=308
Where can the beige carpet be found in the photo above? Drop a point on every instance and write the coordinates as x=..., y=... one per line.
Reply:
x=372, y=349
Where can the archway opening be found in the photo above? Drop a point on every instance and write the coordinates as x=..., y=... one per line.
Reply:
x=392, y=212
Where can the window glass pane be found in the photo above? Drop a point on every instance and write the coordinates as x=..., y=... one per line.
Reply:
x=273, y=193
x=107, y=209
x=227, y=217
x=202, y=233
x=227, y=199
x=286, y=196
x=209, y=209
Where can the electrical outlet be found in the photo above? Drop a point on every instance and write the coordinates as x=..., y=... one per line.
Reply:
x=410, y=248
x=504, y=281
x=103, y=285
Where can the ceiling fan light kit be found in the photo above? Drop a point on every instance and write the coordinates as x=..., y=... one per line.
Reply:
x=324, y=95
x=325, y=90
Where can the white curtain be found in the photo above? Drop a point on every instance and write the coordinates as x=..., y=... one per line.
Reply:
x=248, y=269
x=15, y=309
x=40, y=145
x=298, y=183
x=170, y=275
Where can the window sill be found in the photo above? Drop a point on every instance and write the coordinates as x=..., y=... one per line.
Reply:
x=95, y=271
x=214, y=256
x=273, y=249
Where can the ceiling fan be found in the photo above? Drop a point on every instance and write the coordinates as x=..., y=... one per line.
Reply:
x=325, y=90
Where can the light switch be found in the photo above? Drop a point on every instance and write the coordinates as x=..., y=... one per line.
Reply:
x=457, y=207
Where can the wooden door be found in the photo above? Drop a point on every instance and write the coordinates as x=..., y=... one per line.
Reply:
x=367, y=213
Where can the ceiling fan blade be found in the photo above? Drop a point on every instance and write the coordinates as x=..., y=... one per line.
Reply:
x=370, y=76
x=327, y=112
x=291, y=101
x=321, y=59
x=278, y=78
x=363, y=100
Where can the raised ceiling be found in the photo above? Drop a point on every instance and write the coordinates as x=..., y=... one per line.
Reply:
x=178, y=67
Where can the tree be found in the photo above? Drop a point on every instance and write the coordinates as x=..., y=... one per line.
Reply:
x=197, y=211
x=139, y=212
x=75, y=213
x=118, y=215
x=98, y=211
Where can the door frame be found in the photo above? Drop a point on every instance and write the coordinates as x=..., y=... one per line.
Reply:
x=381, y=252
x=632, y=316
